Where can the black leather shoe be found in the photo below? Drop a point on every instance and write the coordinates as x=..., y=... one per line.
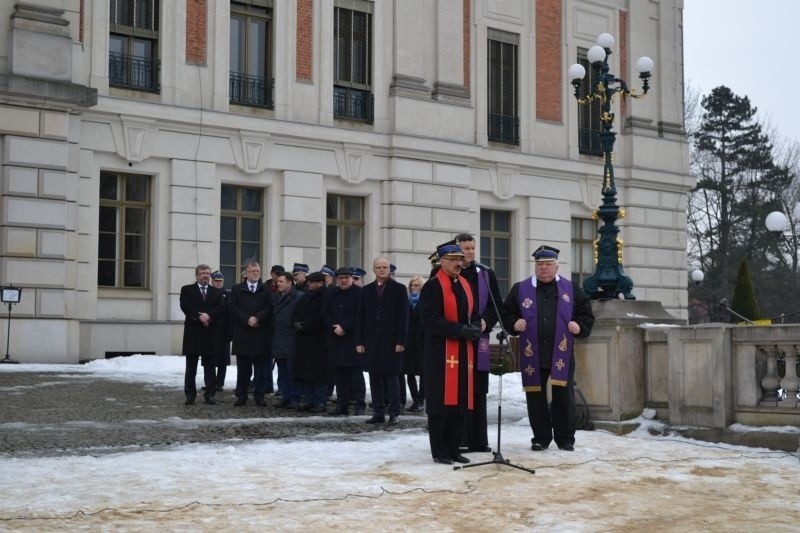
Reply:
x=376, y=420
x=479, y=449
x=209, y=398
x=443, y=460
x=393, y=421
x=239, y=402
x=460, y=459
x=538, y=447
x=260, y=402
x=189, y=400
x=567, y=447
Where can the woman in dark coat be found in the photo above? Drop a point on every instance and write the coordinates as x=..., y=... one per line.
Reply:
x=412, y=357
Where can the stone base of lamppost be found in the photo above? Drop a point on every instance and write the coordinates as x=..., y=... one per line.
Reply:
x=617, y=367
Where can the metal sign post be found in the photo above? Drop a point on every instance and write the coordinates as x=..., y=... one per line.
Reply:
x=9, y=295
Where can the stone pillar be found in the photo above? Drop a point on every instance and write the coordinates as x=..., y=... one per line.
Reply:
x=610, y=364
x=449, y=83
x=39, y=162
x=410, y=35
x=302, y=219
x=193, y=225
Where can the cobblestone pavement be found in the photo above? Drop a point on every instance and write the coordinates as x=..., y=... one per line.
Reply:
x=59, y=413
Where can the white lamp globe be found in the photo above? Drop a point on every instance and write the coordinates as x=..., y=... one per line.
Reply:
x=576, y=72
x=596, y=54
x=644, y=64
x=698, y=276
x=777, y=221
x=606, y=40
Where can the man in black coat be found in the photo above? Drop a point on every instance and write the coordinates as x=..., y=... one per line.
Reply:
x=548, y=312
x=451, y=326
x=483, y=281
x=252, y=314
x=346, y=365
x=283, y=339
x=381, y=331
x=202, y=304
x=310, y=354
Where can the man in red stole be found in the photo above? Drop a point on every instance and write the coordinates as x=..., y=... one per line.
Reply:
x=548, y=312
x=451, y=324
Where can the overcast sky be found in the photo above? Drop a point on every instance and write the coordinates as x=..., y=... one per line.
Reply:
x=751, y=47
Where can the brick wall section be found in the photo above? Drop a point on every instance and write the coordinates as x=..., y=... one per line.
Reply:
x=196, y=13
x=549, y=75
x=467, y=48
x=305, y=40
x=623, y=61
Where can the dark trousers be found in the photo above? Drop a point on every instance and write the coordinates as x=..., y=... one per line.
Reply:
x=444, y=434
x=350, y=387
x=417, y=393
x=190, y=376
x=476, y=431
x=384, y=385
x=556, y=421
x=313, y=393
x=222, y=371
x=267, y=383
x=245, y=367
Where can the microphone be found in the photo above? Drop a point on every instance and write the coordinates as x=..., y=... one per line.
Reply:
x=481, y=265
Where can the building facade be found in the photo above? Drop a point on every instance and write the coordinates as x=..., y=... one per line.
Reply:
x=139, y=138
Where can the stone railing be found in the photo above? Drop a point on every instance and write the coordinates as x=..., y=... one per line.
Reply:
x=710, y=375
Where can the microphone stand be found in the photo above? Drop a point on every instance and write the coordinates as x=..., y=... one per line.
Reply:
x=502, y=336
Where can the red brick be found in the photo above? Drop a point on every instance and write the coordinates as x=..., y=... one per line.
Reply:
x=196, y=18
x=549, y=78
x=304, y=69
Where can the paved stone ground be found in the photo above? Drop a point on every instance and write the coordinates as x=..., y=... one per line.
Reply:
x=55, y=413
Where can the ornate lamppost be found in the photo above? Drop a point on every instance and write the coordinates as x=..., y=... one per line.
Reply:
x=609, y=279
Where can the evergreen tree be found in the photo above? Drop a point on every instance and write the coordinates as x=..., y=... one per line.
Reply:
x=744, y=297
x=737, y=185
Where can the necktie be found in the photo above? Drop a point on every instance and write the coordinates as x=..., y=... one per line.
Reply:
x=203, y=291
x=252, y=287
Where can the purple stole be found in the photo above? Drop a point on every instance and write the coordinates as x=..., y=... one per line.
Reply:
x=483, y=300
x=528, y=340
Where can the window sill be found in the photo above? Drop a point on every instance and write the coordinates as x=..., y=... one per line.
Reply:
x=127, y=294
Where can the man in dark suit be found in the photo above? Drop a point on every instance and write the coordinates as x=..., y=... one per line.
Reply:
x=252, y=314
x=203, y=305
x=381, y=331
x=483, y=281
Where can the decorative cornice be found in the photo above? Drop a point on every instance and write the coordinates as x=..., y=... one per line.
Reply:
x=46, y=93
x=409, y=86
x=353, y=161
x=255, y=151
x=502, y=178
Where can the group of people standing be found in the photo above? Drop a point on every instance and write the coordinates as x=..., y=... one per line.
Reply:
x=327, y=328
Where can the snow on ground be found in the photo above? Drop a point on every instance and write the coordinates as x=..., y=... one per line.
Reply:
x=386, y=481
